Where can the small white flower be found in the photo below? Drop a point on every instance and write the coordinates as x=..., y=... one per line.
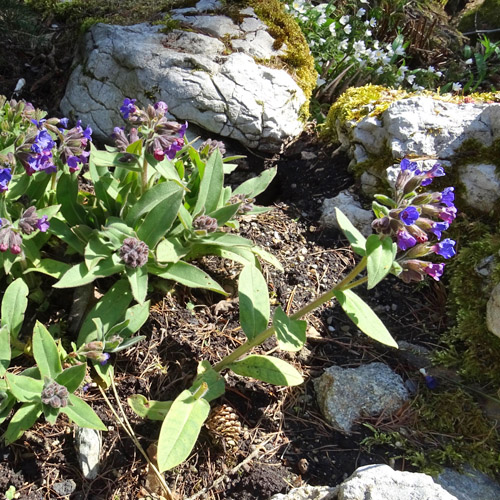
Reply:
x=322, y=19
x=359, y=46
x=469, y=61
x=379, y=70
x=376, y=55
x=410, y=79
x=347, y=29
x=368, y=33
x=322, y=41
x=456, y=87
x=331, y=28
x=373, y=22
x=366, y=23
x=400, y=51
x=418, y=88
x=431, y=69
x=376, y=44
x=361, y=12
x=439, y=74
x=299, y=6
x=403, y=69
x=363, y=1
x=344, y=44
x=344, y=20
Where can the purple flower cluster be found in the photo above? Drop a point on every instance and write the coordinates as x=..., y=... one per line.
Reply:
x=411, y=221
x=54, y=394
x=5, y=177
x=162, y=138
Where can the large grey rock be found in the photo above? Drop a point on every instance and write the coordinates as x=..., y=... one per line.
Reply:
x=351, y=208
x=380, y=482
x=308, y=493
x=346, y=394
x=469, y=485
x=214, y=84
x=493, y=311
x=482, y=185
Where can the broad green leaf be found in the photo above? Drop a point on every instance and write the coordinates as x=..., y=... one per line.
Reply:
x=72, y=377
x=127, y=343
x=50, y=413
x=291, y=333
x=214, y=380
x=96, y=251
x=104, y=158
x=135, y=148
x=364, y=318
x=79, y=275
x=166, y=169
x=379, y=259
x=225, y=240
x=253, y=187
x=24, y=389
x=136, y=316
x=22, y=420
x=185, y=217
x=268, y=257
x=385, y=200
x=14, y=303
x=138, y=279
x=45, y=352
x=149, y=408
x=187, y=274
x=268, y=369
x=50, y=267
x=7, y=402
x=180, y=429
x=111, y=308
x=67, y=194
x=254, y=301
x=5, y=352
x=211, y=185
x=149, y=200
x=82, y=414
x=224, y=214
x=160, y=219
x=17, y=188
x=66, y=234
x=356, y=239
x=379, y=210
x=105, y=372
x=170, y=250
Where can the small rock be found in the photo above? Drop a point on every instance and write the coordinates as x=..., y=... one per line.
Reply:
x=88, y=443
x=346, y=394
x=493, y=312
x=64, y=488
x=308, y=493
x=471, y=485
x=380, y=482
x=308, y=155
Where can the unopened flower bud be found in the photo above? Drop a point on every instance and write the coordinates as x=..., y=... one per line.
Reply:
x=54, y=394
x=206, y=223
x=134, y=252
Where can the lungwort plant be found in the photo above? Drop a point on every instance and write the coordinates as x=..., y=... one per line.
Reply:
x=409, y=227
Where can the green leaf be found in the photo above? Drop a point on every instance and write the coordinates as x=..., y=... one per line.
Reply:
x=45, y=352
x=72, y=377
x=180, y=429
x=364, y=318
x=254, y=301
x=135, y=148
x=213, y=380
x=385, y=200
x=105, y=372
x=253, y=187
x=188, y=275
x=25, y=389
x=138, y=279
x=67, y=234
x=379, y=258
x=79, y=275
x=211, y=185
x=111, y=308
x=170, y=250
x=50, y=413
x=67, y=197
x=14, y=303
x=268, y=369
x=291, y=333
x=22, y=420
x=160, y=219
x=149, y=200
x=356, y=239
x=49, y=267
x=135, y=317
x=268, y=257
x=148, y=408
x=224, y=214
x=5, y=352
x=82, y=414
x=96, y=251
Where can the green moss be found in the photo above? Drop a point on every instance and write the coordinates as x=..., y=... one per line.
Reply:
x=356, y=103
x=485, y=16
x=444, y=428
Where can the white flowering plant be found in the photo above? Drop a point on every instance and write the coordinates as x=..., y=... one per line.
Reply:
x=343, y=40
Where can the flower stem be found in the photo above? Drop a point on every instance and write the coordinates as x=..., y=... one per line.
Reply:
x=319, y=301
x=144, y=175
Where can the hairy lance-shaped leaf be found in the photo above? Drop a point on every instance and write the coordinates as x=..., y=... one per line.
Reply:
x=180, y=429
x=5, y=352
x=380, y=255
x=356, y=239
x=14, y=303
x=254, y=301
x=22, y=420
x=45, y=352
x=268, y=369
x=291, y=333
x=211, y=185
x=25, y=389
x=82, y=414
x=256, y=185
x=364, y=318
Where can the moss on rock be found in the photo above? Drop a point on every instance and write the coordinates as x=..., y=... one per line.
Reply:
x=485, y=16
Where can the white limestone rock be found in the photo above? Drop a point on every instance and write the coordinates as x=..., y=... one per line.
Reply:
x=352, y=209
x=380, y=482
x=346, y=394
x=482, y=185
x=308, y=493
x=88, y=443
x=227, y=94
x=493, y=311
x=471, y=484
